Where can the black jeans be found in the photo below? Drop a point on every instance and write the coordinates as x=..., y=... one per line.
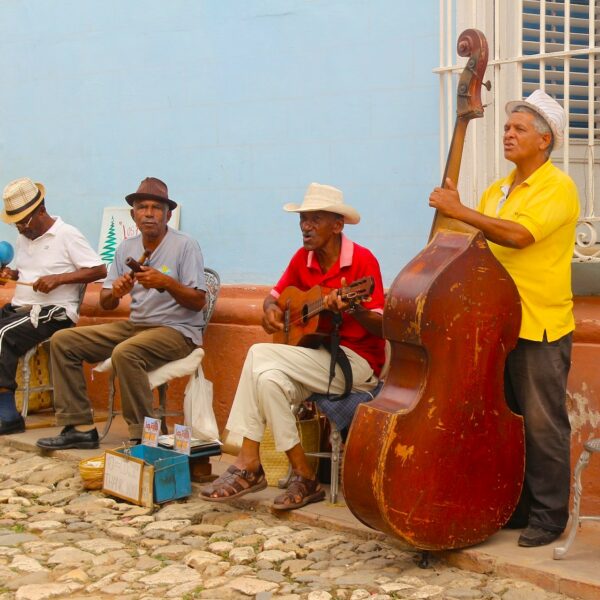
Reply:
x=17, y=335
x=535, y=380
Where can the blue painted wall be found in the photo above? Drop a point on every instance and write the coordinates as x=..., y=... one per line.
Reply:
x=237, y=105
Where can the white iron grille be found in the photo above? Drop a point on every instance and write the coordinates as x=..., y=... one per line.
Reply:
x=548, y=44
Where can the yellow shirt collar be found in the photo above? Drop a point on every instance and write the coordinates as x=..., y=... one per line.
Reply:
x=539, y=173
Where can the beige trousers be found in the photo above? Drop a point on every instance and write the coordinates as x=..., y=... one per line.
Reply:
x=134, y=349
x=276, y=377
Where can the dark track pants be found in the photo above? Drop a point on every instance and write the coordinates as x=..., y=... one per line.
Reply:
x=18, y=335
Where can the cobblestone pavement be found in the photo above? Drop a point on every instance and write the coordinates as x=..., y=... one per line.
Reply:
x=60, y=541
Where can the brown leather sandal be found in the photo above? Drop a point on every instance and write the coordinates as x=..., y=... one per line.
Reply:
x=300, y=492
x=233, y=484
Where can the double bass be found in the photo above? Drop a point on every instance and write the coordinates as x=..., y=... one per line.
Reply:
x=437, y=459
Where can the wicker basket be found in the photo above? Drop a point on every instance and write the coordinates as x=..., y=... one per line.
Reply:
x=92, y=472
x=40, y=376
x=276, y=464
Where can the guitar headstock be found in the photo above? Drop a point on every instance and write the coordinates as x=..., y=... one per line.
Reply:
x=357, y=290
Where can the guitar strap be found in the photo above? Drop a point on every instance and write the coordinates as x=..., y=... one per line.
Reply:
x=338, y=357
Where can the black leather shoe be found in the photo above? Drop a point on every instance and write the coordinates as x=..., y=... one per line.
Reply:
x=16, y=426
x=69, y=437
x=536, y=536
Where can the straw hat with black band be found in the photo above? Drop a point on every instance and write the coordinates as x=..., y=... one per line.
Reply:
x=326, y=198
x=21, y=197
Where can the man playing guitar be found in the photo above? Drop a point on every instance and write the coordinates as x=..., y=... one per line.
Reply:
x=276, y=376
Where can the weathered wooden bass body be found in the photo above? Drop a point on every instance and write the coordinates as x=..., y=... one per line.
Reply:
x=437, y=459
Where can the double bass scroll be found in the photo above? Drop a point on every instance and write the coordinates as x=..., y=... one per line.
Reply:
x=471, y=43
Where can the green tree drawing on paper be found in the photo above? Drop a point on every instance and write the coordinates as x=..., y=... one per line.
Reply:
x=110, y=243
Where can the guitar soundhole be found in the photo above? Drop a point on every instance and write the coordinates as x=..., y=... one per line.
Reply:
x=304, y=314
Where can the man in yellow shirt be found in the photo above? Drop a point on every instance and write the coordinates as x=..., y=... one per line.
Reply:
x=529, y=221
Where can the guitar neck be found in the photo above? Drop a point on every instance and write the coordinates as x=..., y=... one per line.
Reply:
x=314, y=307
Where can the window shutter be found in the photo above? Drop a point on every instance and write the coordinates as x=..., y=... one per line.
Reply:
x=552, y=68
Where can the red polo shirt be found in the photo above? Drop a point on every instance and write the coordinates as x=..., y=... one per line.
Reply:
x=354, y=262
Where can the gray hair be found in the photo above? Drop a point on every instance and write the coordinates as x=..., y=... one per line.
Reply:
x=539, y=123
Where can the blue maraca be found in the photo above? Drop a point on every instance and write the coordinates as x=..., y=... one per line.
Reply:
x=6, y=253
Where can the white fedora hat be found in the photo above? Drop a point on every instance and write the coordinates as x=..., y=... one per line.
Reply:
x=21, y=197
x=327, y=198
x=549, y=109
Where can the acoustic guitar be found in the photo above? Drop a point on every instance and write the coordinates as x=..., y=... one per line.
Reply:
x=306, y=321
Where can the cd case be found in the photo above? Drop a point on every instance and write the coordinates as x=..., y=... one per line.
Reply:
x=168, y=441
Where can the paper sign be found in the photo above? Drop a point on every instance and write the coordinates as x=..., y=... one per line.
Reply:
x=117, y=225
x=151, y=432
x=183, y=439
x=123, y=476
